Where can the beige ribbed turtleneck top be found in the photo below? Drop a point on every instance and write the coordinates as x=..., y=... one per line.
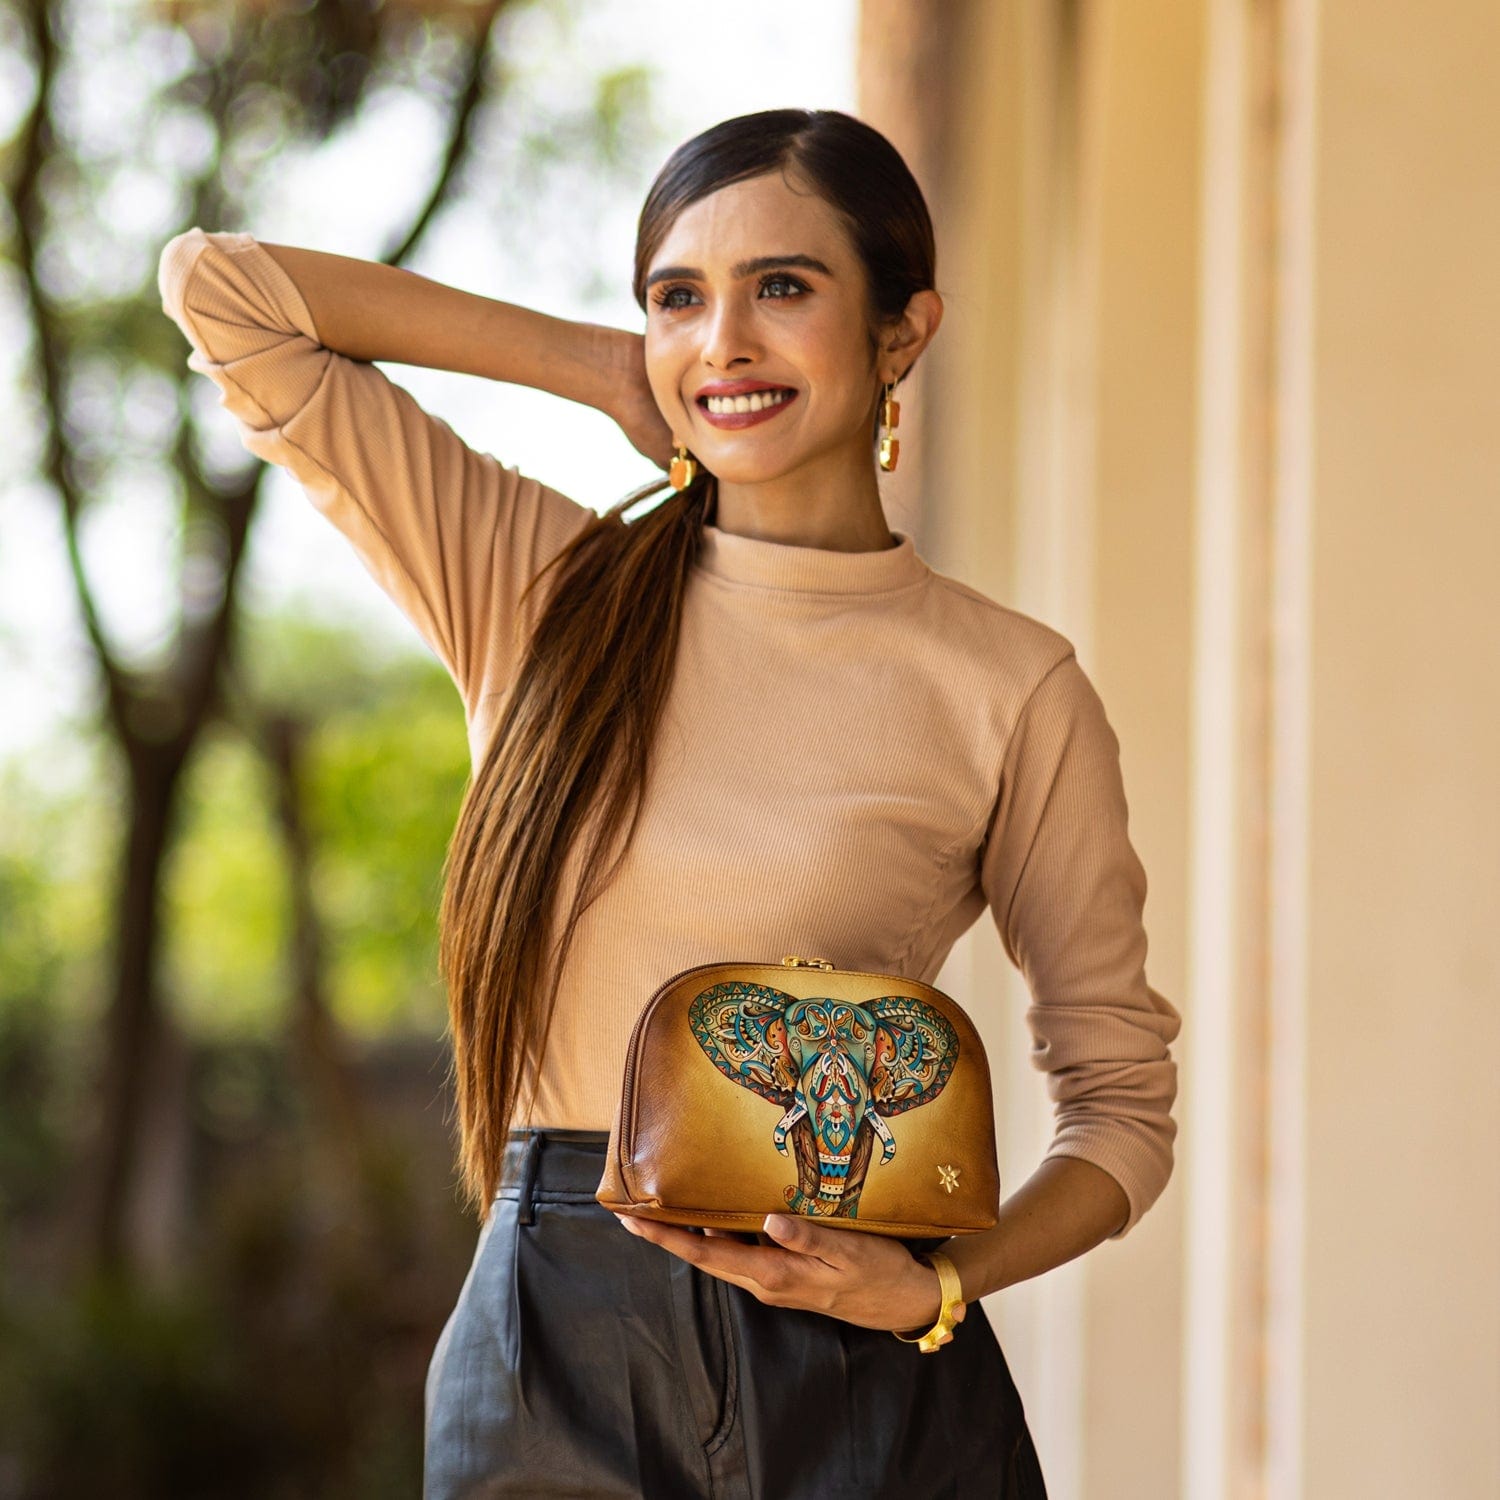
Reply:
x=858, y=754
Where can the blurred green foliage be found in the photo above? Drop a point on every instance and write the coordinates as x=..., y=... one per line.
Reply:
x=387, y=760
x=289, y=1358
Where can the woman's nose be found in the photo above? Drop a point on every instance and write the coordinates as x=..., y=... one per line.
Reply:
x=729, y=335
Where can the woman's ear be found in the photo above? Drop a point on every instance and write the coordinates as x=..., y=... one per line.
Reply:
x=911, y=333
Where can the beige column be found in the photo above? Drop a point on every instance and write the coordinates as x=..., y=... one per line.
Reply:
x=1248, y=739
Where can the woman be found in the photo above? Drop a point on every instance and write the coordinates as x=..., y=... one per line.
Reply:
x=751, y=721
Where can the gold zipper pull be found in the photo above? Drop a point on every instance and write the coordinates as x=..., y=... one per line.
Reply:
x=791, y=961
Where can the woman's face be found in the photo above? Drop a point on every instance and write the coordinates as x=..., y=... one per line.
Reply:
x=758, y=285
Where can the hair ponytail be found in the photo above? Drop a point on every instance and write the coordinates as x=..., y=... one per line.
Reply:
x=571, y=747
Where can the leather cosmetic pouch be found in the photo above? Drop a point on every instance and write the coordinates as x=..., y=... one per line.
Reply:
x=859, y=1099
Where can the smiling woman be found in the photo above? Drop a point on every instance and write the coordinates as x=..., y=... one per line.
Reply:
x=841, y=310
x=747, y=722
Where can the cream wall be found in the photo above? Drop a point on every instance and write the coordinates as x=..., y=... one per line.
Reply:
x=1217, y=396
x=1402, y=1248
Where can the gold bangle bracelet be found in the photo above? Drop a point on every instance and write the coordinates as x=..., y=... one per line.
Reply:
x=941, y=1332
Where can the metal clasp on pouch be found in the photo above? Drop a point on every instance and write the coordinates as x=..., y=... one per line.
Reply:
x=791, y=961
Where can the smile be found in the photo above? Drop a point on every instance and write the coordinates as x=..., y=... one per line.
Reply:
x=744, y=411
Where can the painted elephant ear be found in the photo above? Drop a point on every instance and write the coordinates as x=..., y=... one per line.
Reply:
x=742, y=1028
x=918, y=1049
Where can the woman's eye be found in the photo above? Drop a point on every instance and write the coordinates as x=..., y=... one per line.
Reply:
x=664, y=296
x=780, y=278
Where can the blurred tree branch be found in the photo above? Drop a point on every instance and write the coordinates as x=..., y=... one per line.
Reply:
x=311, y=71
x=460, y=139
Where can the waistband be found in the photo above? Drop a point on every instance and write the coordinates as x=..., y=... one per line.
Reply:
x=552, y=1165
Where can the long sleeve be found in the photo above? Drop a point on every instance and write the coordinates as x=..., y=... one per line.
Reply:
x=1067, y=891
x=450, y=534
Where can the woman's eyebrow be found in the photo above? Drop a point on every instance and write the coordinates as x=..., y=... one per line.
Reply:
x=740, y=269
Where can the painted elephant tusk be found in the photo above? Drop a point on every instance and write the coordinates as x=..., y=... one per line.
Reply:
x=790, y=1118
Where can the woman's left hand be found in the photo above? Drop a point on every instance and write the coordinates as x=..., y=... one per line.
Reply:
x=632, y=403
x=869, y=1279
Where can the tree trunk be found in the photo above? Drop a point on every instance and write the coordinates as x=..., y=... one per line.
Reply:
x=133, y=1022
x=330, y=1086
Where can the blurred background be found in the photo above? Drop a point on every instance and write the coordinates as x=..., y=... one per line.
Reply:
x=1216, y=395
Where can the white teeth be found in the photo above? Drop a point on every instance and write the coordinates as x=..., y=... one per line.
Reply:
x=758, y=401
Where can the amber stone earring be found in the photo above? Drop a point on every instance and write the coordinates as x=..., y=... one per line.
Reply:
x=683, y=469
x=890, y=415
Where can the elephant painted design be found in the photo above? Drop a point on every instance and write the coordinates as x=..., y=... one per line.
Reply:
x=837, y=1069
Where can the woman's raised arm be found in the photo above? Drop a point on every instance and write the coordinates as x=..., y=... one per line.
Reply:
x=370, y=311
x=450, y=533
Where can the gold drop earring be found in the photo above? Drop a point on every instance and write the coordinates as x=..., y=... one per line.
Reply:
x=890, y=415
x=683, y=468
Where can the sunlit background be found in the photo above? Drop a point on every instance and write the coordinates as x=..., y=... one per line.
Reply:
x=1215, y=395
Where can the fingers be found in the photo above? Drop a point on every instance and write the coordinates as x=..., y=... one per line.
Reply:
x=840, y=1250
x=718, y=1252
x=834, y=1247
x=765, y=1270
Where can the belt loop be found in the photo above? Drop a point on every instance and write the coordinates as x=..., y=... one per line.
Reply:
x=526, y=1213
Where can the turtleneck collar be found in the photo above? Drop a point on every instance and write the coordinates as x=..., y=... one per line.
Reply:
x=822, y=570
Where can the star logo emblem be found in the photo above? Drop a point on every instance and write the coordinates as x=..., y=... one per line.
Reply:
x=948, y=1178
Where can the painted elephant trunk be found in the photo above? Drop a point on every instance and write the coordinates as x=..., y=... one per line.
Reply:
x=835, y=1090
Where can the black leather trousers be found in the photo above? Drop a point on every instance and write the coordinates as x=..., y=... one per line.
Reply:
x=582, y=1361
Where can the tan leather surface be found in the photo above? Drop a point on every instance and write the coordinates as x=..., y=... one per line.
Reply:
x=691, y=1145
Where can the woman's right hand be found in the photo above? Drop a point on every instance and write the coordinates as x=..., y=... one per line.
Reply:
x=632, y=404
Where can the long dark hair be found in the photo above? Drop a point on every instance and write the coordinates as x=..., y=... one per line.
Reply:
x=571, y=747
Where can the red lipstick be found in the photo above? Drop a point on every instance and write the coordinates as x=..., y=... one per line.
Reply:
x=731, y=420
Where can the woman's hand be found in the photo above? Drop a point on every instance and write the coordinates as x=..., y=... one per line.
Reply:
x=630, y=400
x=868, y=1279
